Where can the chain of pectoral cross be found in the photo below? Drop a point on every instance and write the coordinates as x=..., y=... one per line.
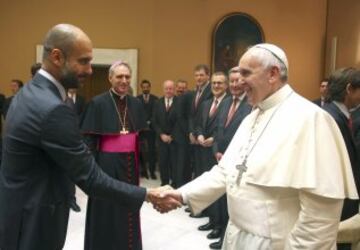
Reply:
x=242, y=166
x=122, y=121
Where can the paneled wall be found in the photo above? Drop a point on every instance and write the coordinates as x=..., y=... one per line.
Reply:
x=172, y=36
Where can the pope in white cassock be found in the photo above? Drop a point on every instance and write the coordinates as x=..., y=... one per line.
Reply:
x=286, y=171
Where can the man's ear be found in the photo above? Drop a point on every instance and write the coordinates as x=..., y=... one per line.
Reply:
x=274, y=74
x=348, y=88
x=57, y=57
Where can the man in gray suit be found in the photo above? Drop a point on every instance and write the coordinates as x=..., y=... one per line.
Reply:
x=44, y=151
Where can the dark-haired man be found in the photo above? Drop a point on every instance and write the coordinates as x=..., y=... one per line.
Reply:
x=148, y=136
x=15, y=86
x=344, y=95
x=323, y=92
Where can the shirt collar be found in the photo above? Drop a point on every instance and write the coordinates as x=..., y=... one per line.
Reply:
x=342, y=108
x=57, y=84
x=240, y=98
x=220, y=98
x=201, y=89
x=169, y=99
x=276, y=98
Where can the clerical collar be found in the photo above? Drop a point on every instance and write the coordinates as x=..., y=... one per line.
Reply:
x=276, y=98
x=342, y=108
x=116, y=94
x=55, y=82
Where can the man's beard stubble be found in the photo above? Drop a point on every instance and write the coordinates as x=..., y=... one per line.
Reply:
x=68, y=78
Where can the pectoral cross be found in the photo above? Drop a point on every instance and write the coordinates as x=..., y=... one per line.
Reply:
x=124, y=131
x=242, y=169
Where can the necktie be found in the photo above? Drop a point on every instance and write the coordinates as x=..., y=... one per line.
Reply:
x=146, y=98
x=197, y=98
x=231, y=111
x=213, y=108
x=167, y=104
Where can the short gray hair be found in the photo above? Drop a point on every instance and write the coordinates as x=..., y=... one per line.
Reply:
x=269, y=56
x=116, y=64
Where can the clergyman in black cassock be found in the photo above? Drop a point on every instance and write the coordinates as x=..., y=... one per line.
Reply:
x=108, y=225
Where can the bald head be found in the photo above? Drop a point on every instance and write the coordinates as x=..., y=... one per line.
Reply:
x=63, y=37
x=67, y=55
x=169, y=88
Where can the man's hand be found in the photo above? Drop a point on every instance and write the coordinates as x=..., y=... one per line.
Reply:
x=162, y=202
x=201, y=140
x=165, y=138
x=192, y=139
x=208, y=142
x=218, y=156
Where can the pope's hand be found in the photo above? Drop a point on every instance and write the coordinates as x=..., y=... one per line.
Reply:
x=161, y=200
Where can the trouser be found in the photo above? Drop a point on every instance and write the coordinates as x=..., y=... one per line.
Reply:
x=167, y=160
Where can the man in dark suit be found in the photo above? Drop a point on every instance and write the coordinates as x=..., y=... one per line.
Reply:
x=323, y=92
x=15, y=86
x=344, y=94
x=148, y=136
x=205, y=133
x=43, y=150
x=232, y=112
x=163, y=121
x=202, y=93
x=182, y=173
x=181, y=87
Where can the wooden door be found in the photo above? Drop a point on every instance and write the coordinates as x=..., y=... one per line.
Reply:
x=96, y=84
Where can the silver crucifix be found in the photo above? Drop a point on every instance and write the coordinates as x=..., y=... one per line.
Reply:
x=242, y=169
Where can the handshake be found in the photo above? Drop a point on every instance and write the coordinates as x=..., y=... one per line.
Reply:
x=164, y=198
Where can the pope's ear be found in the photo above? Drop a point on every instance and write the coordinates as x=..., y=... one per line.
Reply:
x=274, y=73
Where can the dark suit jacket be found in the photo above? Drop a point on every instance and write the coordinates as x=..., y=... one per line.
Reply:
x=79, y=104
x=183, y=106
x=207, y=125
x=350, y=207
x=356, y=126
x=6, y=106
x=223, y=136
x=194, y=111
x=2, y=102
x=317, y=102
x=149, y=106
x=42, y=150
x=164, y=121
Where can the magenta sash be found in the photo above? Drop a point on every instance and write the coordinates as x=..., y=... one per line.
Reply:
x=118, y=143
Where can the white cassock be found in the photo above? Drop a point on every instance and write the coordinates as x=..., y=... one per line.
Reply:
x=298, y=173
